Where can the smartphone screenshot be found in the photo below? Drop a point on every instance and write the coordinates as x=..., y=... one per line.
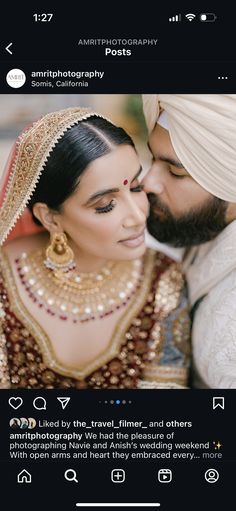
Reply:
x=117, y=258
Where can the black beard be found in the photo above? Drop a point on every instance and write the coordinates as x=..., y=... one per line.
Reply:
x=195, y=227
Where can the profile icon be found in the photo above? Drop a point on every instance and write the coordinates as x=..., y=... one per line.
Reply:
x=15, y=78
x=212, y=475
x=24, y=423
x=31, y=423
x=15, y=423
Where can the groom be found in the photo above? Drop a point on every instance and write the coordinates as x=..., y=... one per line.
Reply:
x=191, y=187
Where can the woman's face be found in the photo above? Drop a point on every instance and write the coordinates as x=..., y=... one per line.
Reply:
x=105, y=217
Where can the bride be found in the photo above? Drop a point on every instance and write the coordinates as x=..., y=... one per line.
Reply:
x=83, y=303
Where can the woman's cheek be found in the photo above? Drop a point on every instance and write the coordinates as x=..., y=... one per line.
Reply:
x=105, y=226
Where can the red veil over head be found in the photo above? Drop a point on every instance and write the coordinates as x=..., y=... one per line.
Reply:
x=25, y=166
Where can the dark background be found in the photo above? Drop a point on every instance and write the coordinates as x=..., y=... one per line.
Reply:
x=188, y=58
x=188, y=489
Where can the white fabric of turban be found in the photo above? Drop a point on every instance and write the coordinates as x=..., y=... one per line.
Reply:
x=202, y=129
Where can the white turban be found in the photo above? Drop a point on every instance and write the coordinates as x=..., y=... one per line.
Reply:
x=202, y=128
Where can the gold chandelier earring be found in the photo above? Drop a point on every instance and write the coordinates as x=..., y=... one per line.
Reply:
x=59, y=256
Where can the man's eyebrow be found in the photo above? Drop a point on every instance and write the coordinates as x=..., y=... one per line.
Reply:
x=101, y=193
x=171, y=161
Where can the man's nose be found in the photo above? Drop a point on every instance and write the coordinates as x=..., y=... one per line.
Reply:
x=152, y=183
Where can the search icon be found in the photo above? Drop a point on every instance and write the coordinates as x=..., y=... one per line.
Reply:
x=70, y=475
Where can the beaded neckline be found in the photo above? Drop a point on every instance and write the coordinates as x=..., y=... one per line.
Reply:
x=79, y=297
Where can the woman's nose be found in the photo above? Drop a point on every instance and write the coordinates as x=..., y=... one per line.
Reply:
x=152, y=182
x=136, y=214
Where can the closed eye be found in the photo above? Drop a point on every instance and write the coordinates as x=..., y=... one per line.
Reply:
x=138, y=188
x=106, y=208
x=178, y=176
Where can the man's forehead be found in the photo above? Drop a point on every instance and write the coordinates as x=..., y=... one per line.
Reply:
x=160, y=138
x=161, y=147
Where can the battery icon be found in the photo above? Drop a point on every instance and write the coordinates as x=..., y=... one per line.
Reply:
x=208, y=16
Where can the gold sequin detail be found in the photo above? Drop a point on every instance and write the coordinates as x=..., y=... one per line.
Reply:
x=181, y=331
x=167, y=298
x=168, y=291
x=4, y=373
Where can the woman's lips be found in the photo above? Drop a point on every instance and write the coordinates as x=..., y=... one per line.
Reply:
x=134, y=241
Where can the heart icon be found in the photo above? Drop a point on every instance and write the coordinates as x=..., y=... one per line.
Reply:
x=15, y=402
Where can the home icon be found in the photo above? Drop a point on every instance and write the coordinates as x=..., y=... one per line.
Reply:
x=24, y=477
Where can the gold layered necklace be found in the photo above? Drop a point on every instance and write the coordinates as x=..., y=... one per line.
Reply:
x=79, y=297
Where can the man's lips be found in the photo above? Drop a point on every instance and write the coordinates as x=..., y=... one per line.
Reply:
x=157, y=211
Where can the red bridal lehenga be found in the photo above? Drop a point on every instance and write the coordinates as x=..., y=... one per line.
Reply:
x=150, y=345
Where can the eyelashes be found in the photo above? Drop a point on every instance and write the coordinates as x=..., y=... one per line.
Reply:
x=107, y=208
x=111, y=205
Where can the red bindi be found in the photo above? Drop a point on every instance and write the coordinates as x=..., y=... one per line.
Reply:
x=125, y=182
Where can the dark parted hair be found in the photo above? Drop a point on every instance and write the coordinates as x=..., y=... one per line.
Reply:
x=76, y=149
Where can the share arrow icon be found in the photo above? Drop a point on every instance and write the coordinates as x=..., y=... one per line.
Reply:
x=64, y=401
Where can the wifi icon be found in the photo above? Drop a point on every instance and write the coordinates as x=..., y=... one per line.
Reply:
x=190, y=17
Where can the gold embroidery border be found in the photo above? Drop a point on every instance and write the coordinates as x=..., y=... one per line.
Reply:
x=150, y=385
x=167, y=374
x=40, y=336
x=33, y=148
x=4, y=372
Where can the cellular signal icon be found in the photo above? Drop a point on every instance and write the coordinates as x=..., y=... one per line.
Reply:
x=190, y=16
x=177, y=17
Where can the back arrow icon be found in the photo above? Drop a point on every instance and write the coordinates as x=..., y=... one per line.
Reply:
x=7, y=48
